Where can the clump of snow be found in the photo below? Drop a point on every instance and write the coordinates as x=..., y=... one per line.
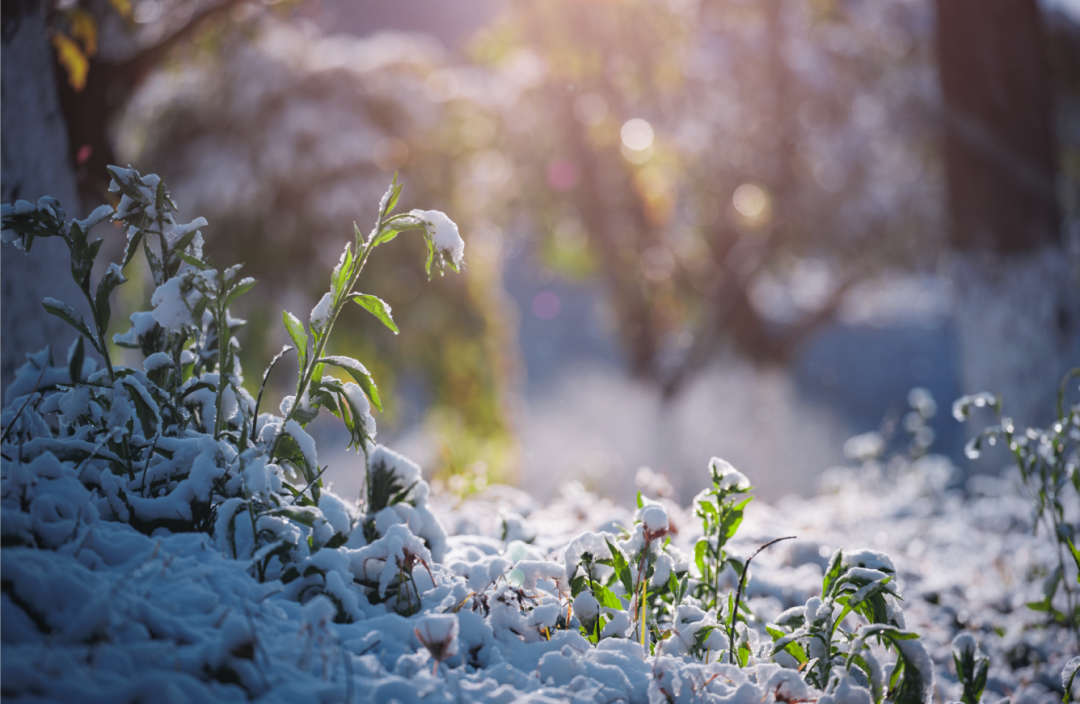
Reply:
x=439, y=634
x=173, y=305
x=655, y=520
x=729, y=478
x=444, y=234
x=320, y=314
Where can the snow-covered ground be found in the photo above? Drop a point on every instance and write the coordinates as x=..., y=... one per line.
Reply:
x=99, y=612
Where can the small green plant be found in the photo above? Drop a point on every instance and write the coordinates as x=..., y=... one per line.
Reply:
x=972, y=666
x=813, y=637
x=721, y=514
x=1049, y=464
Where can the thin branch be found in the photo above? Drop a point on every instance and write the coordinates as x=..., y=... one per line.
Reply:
x=153, y=55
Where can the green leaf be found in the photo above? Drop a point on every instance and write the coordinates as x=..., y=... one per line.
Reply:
x=109, y=281
x=75, y=364
x=299, y=336
x=788, y=642
x=298, y=514
x=240, y=289
x=622, y=567
x=701, y=550
x=376, y=307
x=148, y=417
x=862, y=596
x=832, y=572
x=340, y=277
x=156, y=267
x=702, y=635
x=1069, y=682
x=360, y=373
x=606, y=597
x=181, y=245
x=70, y=316
x=193, y=261
x=394, y=195
x=1075, y=555
x=132, y=246
x=733, y=518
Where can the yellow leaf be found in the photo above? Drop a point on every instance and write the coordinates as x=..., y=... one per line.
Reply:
x=84, y=30
x=122, y=7
x=72, y=59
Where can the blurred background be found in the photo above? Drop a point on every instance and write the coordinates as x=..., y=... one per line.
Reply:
x=785, y=232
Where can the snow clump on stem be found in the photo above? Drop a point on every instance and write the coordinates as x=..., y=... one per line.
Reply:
x=444, y=234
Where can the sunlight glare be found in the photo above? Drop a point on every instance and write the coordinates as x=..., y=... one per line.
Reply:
x=749, y=200
x=637, y=134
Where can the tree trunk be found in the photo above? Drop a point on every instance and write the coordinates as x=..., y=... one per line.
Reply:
x=1016, y=294
x=33, y=149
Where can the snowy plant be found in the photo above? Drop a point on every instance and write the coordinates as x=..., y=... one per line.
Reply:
x=180, y=445
x=124, y=489
x=972, y=666
x=721, y=514
x=814, y=638
x=1049, y=464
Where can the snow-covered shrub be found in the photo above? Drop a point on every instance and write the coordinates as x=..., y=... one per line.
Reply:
x=103, y=468
x=180, y=445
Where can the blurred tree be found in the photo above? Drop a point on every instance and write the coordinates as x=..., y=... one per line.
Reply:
x=1019, y=290
x=33, y=148
x=70, y=66
x=284, y=141
x=709, y=150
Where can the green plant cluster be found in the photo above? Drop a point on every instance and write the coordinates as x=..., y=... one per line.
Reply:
x=181, y=445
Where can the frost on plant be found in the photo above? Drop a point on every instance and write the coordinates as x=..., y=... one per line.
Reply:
x=198, y=494
x=1048, y=460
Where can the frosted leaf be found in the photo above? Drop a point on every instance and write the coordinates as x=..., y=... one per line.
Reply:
x=320, y=314
x=304, y=441
x=727, y=476
x=157, y=361
x=1069, y=672
x=102, y=212
x=592, y=544
x=444, y=233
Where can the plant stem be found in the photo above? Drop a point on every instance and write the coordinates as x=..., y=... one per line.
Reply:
x=738, y=593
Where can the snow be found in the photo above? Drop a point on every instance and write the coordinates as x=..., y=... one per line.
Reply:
x=172, y=306
x=444, y=233
x=320, y=314
x=100, y=214
x=730, y=478
x=305, y=442
x=98, y=611
x=655, y=519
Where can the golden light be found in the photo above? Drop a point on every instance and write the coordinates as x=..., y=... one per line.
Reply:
x=749, y=200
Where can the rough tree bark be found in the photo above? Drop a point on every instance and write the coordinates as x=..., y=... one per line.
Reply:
x=34, y=155
x=1017, y=296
